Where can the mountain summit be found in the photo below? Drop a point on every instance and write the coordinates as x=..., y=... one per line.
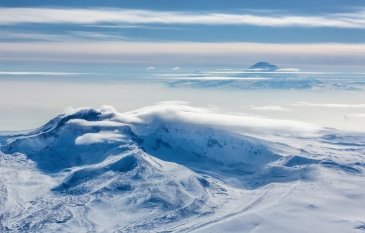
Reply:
x=264, y=66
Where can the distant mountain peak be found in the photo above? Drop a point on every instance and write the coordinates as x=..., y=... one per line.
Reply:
x=264, y=66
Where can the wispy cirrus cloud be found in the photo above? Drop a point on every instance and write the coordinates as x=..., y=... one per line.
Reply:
x=20, y=73
x=60, y=37
x=10, y=16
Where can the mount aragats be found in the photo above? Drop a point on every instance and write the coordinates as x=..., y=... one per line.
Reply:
x=177, y=168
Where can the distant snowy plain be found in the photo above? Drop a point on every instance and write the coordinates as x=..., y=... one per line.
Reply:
x=172, y=167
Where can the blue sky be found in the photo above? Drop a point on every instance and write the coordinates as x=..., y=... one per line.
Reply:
x=163, y=31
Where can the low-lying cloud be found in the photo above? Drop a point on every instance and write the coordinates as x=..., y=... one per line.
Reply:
x=269, y=108
x=100, y=137
x=329, y=105
x=181, y=113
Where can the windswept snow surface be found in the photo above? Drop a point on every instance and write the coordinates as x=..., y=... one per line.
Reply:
x=177, y=168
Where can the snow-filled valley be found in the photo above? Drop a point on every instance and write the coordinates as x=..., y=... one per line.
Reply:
x=176, y=168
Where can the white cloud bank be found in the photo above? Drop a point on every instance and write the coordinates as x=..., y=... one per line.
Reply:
x=100, y=137
x=146, y=119
x=119, y=16
x=181, y=113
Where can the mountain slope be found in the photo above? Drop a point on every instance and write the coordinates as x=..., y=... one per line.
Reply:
x=173, y=167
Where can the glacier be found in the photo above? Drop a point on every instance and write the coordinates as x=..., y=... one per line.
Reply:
x=173, y=167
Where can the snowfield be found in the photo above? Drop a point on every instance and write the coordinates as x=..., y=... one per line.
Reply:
x=177, y=168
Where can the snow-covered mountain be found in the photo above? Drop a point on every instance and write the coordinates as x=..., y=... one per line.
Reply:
x=263, y=66
x=177, y=168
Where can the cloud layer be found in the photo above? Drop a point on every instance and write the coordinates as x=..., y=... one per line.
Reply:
x=183, y=52
x=100, y=137
x=179, y=112
x=354, y=19
x=329, y=105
